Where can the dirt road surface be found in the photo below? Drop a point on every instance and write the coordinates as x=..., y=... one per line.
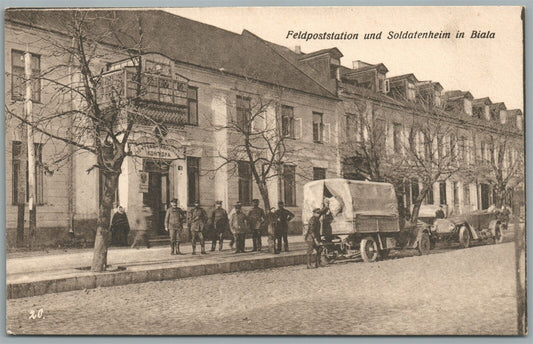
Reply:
x=453, y=292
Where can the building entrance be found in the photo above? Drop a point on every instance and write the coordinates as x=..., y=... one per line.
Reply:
x=158, y=196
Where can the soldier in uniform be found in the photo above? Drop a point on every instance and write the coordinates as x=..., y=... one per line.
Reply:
x=219, y=223
x=283, y=216
x=239, y=226
x=256, y=218
x=174, y=220
x=312, y=239
x=197, y=221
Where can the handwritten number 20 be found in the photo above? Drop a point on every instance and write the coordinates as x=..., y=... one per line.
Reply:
x=36, y=314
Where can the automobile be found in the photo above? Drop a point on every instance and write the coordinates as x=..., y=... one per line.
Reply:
x=365, y=221
x=480, y=225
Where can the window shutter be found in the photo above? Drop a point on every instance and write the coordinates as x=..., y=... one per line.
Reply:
x=298, y=131
x=326, y=133
x=258, y=123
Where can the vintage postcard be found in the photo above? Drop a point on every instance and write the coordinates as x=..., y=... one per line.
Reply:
x=265, y=171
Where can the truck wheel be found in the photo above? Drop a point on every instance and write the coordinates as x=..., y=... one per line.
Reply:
x=369, y=249
x=464, y=237
x=498, y=236
x=424, y=245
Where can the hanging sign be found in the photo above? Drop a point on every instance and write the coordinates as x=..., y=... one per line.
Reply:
x=143, y=181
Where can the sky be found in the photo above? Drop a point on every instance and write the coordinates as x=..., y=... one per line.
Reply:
x=491, y=67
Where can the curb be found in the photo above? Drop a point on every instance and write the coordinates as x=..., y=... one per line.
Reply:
x=91, y=280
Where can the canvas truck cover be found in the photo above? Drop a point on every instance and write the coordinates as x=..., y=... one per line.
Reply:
x=349, y=198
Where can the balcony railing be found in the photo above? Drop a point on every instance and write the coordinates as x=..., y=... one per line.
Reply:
x=158, y=88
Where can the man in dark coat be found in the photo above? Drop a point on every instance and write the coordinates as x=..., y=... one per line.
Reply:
x=439, y=214
x=312, y=239
x=219, y=223
x=120, y=227
x=197, y=221
x=283, y=216
x=256, y=219
x=174, y=220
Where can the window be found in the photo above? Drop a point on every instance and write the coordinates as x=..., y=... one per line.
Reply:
x=380, y=130
x=39, y=173
x=351, y=126
x=287, y=121
x=17, y=76
x=429, y=197
x=411, y=91
x=245, y=182
x=466, y=194
x=455, y=193
x=289, y=185
x=442, y=192
x=192, y=105
x=319, y=173
x=193, y=179
x=18, y=186
x=453, y=143
x=414, y=189
x=396, y=138
x=244, y=113
x=318, y=127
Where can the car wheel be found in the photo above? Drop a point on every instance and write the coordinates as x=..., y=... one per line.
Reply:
x=498, y=236
x=369, y=250
x=424, y=244
x=464, y=237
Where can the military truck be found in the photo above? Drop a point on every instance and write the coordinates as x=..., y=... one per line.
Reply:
x=366, y=221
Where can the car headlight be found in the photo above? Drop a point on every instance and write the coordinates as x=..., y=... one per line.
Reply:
x=433, y=228
x=451, y=227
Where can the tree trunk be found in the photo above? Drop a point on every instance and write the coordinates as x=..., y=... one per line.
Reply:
x=418, y=203
x=263, y=190
x=101, y=242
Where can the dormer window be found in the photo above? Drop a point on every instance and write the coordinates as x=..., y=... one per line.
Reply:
x=411, y=91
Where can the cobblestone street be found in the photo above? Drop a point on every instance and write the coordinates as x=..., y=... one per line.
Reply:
x=460, y=291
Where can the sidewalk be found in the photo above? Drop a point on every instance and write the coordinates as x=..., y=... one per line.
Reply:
x=42, y=274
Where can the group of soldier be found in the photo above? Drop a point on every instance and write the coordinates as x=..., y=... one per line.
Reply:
x=215, y=227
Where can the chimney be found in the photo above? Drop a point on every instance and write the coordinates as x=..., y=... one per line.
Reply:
x=298, y=49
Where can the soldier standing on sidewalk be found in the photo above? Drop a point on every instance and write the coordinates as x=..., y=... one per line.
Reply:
x=239, y=226
x=197, y=220
x=312, y=235
x=219, y=223
x=174, y=226
x=256, y=218
x=271, y=229
x=283, y=216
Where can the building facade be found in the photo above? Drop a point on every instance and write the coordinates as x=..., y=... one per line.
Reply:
x=199, y=87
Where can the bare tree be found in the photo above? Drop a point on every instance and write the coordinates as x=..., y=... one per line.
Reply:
x=505, y=167
x=85, y=108
x=258, y=137
x=424, y=150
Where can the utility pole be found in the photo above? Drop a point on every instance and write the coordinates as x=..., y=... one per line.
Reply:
x=31, y=147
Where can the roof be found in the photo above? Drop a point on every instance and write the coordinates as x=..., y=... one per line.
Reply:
x=500, y=105
x=380, y=67
x=186, y=41
x=457, y=94
x=484, y=101
x=332, y=51
x=514, y=112
x=433, y=84
x=410, y=77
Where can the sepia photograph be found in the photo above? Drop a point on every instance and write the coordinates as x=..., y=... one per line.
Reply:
x=293, y=171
